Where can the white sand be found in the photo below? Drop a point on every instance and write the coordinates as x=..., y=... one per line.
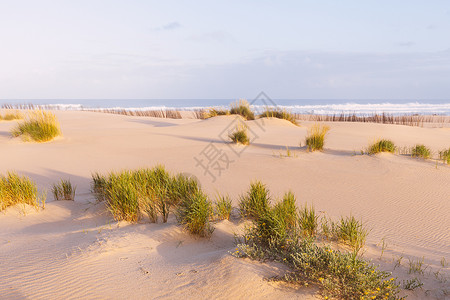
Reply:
x=76, y=250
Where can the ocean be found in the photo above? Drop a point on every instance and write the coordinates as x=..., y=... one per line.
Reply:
x=304, y=106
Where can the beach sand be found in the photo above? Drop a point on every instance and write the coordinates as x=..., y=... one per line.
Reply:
x=76, y=250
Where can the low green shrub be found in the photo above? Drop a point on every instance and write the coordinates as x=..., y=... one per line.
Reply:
x=280, y=114
x=39, y=126
x=338, y=275
x=421, y=151
x=315, y=140
x=15, y=189
x=64, y=190
x=242, y=108
x=256, y=202
x=382, y=146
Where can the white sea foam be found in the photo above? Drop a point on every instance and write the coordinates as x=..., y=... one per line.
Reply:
x=325, y=109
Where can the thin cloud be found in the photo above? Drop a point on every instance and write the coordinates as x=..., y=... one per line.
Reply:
x=406, y=44
x=169, y=26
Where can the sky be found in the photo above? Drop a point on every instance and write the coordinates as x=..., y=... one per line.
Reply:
x=137, y=49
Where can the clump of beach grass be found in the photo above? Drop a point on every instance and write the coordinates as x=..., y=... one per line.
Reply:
x=308, y=221
x=9, y=116
x=64, y=190
x=256, y=202
x=39, y=126
x=242, y=108
x=444, y=155
x=130, y=195
x=421, y=151
x=223, y=207
x=280, y=114
x=214, y=112
x=382, y=145
x=352, y=232
x=315, y=139
x=194, y=213
x=240, y=135
x=15, y=189
x=122, y=197
x=286, y=210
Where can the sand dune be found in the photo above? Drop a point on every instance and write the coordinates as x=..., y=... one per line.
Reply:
x=76, y=250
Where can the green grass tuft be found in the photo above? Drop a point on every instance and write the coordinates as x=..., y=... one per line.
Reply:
x=315, y=139
x=352, y=232
x=214, y=112
x=421, y=151
x=194, y=213
x=39, y=126
x=280, y=114
x=15, y=115
x=64, y=190
x=242, y=108
x=444, y=155
x=308, y=221
x=154, y=192
x=15, y=189
x=223, y=207
x=240, y=136
x=287, y=210
x=382, y=146
x=256, y=202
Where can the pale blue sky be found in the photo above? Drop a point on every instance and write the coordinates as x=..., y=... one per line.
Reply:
x=224, y=49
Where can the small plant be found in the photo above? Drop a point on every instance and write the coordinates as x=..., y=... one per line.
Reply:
x=64, y=190
x=398, y=261
x=194, y=213
x=256, y=202
x=15, y=189
x=444, y=155
x=444, y=262
x=122, y=198
x=382, y=146
x=338, y=275
x=352, y=232
x=15, y=115
x=242, y=108
x=280, y=114
x=316, y=137
x=329, y=228
x=416, y=266
x=412, y=284
x=213, y=112
x=98, y=186
x=383, y=246
x=421, y=151
x=39, y=126
x=308, y=221
x=223, y=207
x=287, y=210
x=240, y=136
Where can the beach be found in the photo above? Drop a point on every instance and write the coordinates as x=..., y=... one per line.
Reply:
x=76, y=250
